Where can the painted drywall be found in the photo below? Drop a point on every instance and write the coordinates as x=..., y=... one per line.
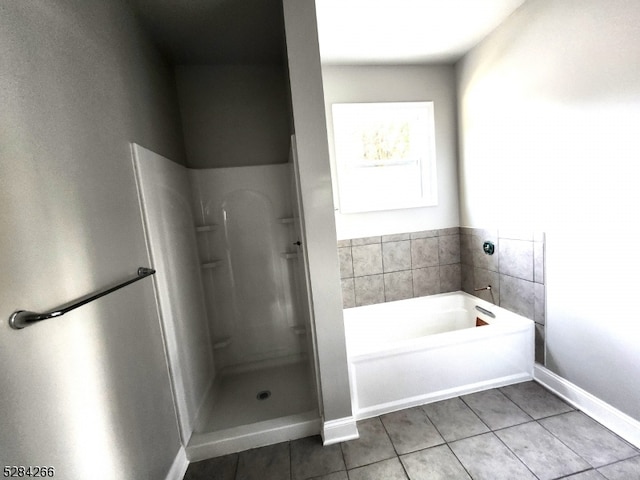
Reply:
x=405, y=83
x=234, y=115
x=549, y=109
x=317, y=203
x=87, y=393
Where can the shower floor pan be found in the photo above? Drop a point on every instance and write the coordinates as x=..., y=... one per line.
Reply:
x=256, y=408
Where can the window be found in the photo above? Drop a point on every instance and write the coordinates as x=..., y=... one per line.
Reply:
x=385, y=155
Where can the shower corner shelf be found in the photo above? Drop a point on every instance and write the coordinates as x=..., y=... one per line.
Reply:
x=221, y=343
x=206, y=228
x=286, y=220
x=212, y=264
x=289, y=255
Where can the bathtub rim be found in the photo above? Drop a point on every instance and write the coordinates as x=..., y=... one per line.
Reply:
x=462, y=336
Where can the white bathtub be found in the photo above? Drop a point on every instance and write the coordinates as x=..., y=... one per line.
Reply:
x=410, y=352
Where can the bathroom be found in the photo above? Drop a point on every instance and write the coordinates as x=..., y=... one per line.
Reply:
x=540, y=111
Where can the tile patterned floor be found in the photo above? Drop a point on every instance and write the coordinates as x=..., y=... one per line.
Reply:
x=517, y=432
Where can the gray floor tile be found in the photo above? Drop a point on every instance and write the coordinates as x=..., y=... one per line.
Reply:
x=333, y=476
x=535, y=400
x=437, y=463
x=496, y=410
x=265, y=463
x=588, y=438
x=454, y=420
x=486, y=457
x=310, y=459
x=625, y=470
x=588, y=475
x=373, y=445
x=543, y=453
x=220, y=468
x=386, y=470
x=410, y=430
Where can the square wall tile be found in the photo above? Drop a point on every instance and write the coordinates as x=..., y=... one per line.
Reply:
x=369, y=290
x=424, y=252
x=483, y=278
x=466, y=249
x=539, y=344
x=539, y=314
x=426, y=281
x=449, y=249
x=450, y=278
x=517, y=295
x=344, y=243
x=466, y=274
x=346, y=262
x=449, y=231
x=538, y=262
x=367, y=259
x=396, y=256
x=365, y=241
x=424, y=234
x=516, y=258
x=481, y=259
x=396, y=237
x=398, y=285
x=348, y=293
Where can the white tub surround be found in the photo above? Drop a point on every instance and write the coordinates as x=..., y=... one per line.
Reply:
x=415, y=351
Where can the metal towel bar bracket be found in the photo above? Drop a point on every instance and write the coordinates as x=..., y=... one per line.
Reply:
x=21, y=318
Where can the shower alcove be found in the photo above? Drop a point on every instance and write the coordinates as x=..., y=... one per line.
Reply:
x=224, y=234
x=232, y=301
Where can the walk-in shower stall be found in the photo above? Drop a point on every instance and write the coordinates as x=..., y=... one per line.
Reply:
x=232, y=299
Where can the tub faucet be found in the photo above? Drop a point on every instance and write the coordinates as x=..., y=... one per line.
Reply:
x=488, y=287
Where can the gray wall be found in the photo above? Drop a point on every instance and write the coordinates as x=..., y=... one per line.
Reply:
x=234, y=115
x=87, y=393
x=549, y=115
x=400, y=83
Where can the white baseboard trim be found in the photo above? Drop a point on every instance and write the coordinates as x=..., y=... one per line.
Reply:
x=340, y=430
x=179, y=466
x=618, y=422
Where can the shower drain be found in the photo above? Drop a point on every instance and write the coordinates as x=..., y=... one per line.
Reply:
x=263, y=395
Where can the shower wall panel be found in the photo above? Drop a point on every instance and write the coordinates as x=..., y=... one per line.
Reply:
x=165, y=199
x=245, y=231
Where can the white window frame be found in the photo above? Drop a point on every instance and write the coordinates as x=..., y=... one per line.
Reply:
x=390, y=184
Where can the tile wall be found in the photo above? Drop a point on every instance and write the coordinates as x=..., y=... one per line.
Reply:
x=515, y=272
x=394, y=267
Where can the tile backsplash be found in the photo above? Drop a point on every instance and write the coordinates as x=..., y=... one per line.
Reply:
x=394, y=267
x=515, y=272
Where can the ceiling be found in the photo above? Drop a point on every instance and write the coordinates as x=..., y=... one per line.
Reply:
x=350, y=31
x=405, y=31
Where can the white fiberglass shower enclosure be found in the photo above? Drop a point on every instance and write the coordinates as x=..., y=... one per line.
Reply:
x=232, y=299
